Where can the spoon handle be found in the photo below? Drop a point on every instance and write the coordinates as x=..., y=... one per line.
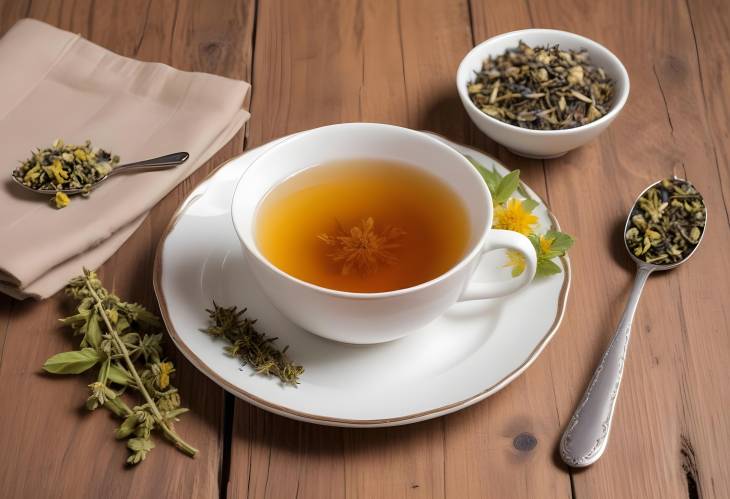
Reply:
x=160, y=163
x=586, y=436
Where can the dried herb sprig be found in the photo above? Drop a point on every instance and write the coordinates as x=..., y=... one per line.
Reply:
x=65, y=166
x=251, y=346
x=124, y=340
x=542, y=88
x=667, y=222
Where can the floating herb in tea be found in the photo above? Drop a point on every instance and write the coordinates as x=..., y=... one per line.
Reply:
x=667, y=222
x=363, y=226
x=65, y=166
x=363, y=248
x=124, y=341
x=251, y=346
x=542, y=88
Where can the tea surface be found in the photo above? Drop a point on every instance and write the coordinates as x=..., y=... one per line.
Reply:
x=363, y=226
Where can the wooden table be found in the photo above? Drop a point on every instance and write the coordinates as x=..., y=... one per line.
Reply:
x=315, y=63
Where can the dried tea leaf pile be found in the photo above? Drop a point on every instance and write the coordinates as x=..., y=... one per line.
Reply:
x=542, y=88
x=65, y=166
x=122, y=341
x=667, y=222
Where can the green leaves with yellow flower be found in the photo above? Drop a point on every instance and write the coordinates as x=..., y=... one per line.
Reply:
x=515, y=214
x=551, y=245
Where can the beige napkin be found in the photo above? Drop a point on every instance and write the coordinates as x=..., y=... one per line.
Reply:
x=55, y=84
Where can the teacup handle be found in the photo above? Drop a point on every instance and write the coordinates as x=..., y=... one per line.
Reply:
x=504, y=239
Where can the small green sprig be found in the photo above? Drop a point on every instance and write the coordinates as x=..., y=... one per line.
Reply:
x=251, y=346
x=516, y=214
x=124, y=341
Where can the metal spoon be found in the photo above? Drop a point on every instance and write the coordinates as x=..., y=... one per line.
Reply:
x=586, y=436
x=160, y=163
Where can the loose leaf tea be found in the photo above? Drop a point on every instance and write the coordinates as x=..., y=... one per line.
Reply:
x=65, y=166
x=251, y=346
x=542, y=88
x=123, y=341
x=667, y=222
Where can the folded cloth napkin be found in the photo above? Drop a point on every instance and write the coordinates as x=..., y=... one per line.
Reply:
x=56, y=84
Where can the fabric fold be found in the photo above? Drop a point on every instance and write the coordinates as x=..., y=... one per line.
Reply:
x=63, y=86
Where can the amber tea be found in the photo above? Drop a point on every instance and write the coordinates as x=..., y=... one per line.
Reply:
x=363, y=226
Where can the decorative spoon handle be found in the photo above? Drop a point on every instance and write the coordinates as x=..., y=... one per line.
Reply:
x=166, y=161
x=586, y=436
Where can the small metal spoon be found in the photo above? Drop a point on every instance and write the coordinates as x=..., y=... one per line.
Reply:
x=160, y=163
x=586, y=436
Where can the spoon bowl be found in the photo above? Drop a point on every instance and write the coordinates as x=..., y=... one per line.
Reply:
x=652, y=266
x=161, y=163
x=586, y=437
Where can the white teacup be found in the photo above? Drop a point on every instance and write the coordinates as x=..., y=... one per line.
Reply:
x=374, y=317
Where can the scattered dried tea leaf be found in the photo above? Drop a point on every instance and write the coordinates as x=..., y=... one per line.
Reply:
x=542, y=88
x=251, y=346
x=667, y=222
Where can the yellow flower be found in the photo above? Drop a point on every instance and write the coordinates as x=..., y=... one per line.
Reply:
x=513, y=216
x=80, y=154
x=58, y=172
x=61, y=200
x=516, y=261
x=545, y=244
x=163, y=376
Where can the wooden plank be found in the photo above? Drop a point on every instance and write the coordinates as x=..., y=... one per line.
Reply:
x=393, y=63
x=53, y=447
x=675, y=392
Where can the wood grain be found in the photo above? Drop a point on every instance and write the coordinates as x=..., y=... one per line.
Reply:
x=318, y=62
x=52, y=446
x=394, y=63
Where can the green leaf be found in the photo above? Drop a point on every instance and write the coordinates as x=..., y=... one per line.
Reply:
x=122, y=324
x=119, y=375
x=529, y=204
x=93, y=331
x=127, y=427
x=491, y=177
x=74, y=362
x=141, y=447
x=79, y=318
x=546, y=267
x=506, y=187
x=535, y=240
x=561, y=242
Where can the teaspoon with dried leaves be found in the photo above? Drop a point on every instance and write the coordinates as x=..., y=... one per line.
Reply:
x=586, y=436
x=163, y=162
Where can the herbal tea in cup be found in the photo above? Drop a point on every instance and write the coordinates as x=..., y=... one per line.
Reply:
x=363, y=232
x=363, y=225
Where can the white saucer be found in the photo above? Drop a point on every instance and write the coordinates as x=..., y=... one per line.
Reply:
x=468, y=354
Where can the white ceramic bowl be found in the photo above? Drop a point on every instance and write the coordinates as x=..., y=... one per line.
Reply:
x=541, y=143
x=374, y=317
